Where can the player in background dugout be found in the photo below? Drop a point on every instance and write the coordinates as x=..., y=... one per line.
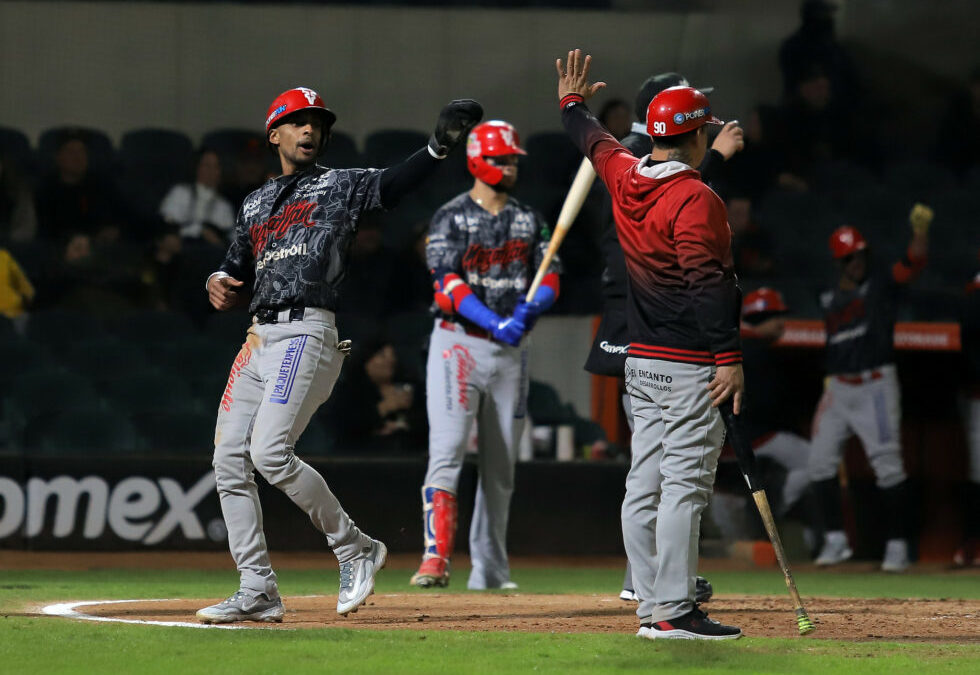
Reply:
x=861, y=393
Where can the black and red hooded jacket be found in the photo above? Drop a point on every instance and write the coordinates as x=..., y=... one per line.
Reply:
x=683, y=300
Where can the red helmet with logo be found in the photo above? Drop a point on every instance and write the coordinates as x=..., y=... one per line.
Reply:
x=294, y=100
x=677, y=110
x=763, y=301
x=491, y=139
x=846, y=240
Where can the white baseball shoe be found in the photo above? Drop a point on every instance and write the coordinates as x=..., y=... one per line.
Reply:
x=835, y=549
x=357, y=577
x=896, y=556
x=627, y=595
x=243, y=606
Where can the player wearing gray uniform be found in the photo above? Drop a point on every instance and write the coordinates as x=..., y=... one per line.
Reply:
x=483, y=250
x=292, y=236
x=684, y=357
x=861, y=395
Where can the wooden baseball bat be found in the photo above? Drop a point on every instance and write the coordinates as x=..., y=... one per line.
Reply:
x=746, y=462
x=569, y=211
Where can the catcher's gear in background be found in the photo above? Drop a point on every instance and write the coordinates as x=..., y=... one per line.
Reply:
x=454, y=123
x=678, y=110
x=846, y=240
x=491, y=139
x=440, y=515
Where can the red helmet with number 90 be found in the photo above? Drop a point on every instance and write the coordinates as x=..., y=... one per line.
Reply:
x=677, y=110
x=491, y=139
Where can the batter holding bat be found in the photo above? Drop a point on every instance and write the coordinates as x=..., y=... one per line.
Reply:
x=684, y=358
x=292, y=236
x=483, y=249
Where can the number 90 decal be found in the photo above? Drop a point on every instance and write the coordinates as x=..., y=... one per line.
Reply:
x=659, y=127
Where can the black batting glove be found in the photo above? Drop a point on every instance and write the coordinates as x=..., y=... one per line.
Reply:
x=455, y=122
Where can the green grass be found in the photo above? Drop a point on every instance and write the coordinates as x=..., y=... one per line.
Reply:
x=31, y=644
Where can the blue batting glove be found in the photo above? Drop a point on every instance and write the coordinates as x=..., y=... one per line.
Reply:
x=528, y=313
x=509, y=331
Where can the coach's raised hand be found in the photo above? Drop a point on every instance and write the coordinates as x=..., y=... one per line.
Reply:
x=455, y=122
x=575, y=79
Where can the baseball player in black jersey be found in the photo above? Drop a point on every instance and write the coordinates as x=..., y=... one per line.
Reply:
x=608, y=353
x=292, y=236
x=483, y=249
x=861, y=395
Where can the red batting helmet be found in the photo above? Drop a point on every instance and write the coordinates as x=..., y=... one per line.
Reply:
x=491, y=139
x=677, y=110
x=763, y=301
x=846, y=240
x=294, y=100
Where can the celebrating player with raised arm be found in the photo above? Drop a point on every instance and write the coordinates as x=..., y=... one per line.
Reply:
x=293, y=235
x=483, y=250
x=684, y=357
x=862, y=393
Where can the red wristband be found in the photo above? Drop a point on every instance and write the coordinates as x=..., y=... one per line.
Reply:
x=568, y=99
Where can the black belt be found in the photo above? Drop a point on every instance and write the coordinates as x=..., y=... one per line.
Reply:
x=266, y=315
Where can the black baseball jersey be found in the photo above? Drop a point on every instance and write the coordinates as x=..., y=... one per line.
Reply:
x=497, y=256
x=295, y=232
x=860, y=325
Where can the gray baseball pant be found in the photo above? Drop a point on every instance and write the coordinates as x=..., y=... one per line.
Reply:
x=282, y=374
x=470, y=379
x=676, y=443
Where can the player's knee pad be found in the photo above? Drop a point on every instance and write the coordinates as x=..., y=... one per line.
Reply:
x=439, y=515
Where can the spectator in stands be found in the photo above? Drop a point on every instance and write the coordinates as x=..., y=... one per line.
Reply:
x=814, y=45
x=197, y=209
x=161, y=267
x=757, y=167
x=615, y=116
x=16, y=291
x=959, y=130
x=73, y=199
x=751, y=245
x=88, y=277
x=18, y=222
x=250, y=172
x=375, y=412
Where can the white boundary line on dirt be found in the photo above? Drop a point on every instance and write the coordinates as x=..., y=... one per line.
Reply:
x=67, y=610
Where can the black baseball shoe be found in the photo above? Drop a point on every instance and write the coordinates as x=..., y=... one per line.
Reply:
x=695, y=625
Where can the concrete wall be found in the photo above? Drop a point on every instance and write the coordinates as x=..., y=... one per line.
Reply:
x=118, y=66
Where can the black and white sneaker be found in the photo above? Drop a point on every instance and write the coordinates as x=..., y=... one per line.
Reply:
x=695, y=625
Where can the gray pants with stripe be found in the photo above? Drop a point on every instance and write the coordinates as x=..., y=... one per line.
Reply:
x=282, y=374
x=471, y=379
x=871, y=409
x=677, y=439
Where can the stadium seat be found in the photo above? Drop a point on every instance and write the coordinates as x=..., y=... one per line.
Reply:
x=151, y=162
x=15, y=145
x=148, y=392
x=232, y=142
x=51, y=327
x=41, y=395
x=180, y=433
x=87, y=433
x=389, y=146
x=20, y=358
x=141, y=327
x=341, y=152
x=104, y=359
x=101, y=155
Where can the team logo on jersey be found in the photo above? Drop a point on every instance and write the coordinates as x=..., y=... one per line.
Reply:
x=297, y=213
x=480, y=259
x=251, y=206
x=309, y=94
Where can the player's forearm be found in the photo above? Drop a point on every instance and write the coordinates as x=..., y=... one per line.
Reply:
x=716, y=310
x=711, y=165
x=400, y=179
x=586, y=132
